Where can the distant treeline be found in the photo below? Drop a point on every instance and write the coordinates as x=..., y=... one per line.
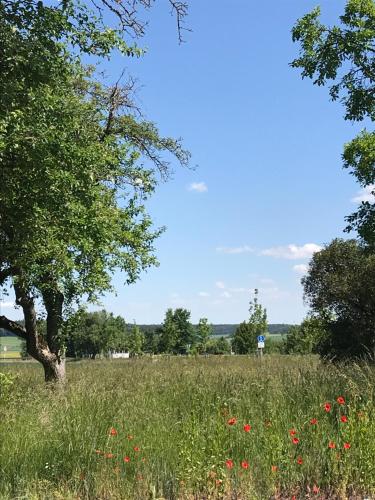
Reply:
x=228, y=330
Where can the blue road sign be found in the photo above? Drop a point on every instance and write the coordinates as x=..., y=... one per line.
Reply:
x=261, y=338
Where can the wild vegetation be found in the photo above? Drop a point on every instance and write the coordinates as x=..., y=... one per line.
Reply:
x=218, y=427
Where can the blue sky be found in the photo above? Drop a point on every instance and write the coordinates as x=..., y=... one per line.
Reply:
x=268, y=148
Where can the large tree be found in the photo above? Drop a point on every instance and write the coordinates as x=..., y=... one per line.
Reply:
x=340, y=287
x=342, y=56
x=72, y=180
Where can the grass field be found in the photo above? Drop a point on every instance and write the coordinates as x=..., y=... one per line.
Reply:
x=12, y=345
x=183, y=428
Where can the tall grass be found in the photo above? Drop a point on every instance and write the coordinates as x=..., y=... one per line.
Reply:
x=178, y=412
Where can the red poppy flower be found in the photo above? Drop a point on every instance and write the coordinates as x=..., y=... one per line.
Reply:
x=292, y=432
x=126, y=459
x=109, y=455
x=315, y=489
x=299, y=460
x=136, y=448
x=247, y=428
x=331, y=445
x=274, y=468
x=295, y=440
x=313, y=421
x=229, y=463
x=232, y=421
x=113, y=431
x=347, y=446
x=327, y=407
x=340, y=400
x=344, y=418
x=244, y=464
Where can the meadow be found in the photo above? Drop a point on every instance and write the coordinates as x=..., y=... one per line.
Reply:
x=182, y=428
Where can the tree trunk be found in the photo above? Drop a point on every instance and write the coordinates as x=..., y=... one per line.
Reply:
x=54, y=371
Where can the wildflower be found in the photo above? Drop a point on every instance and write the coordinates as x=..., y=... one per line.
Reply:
x=340, y=400
x=292, y=432
x=315, y=489
x=218, y=482
x=113, y=432
x=344, y=418
x=232, y=421
x=244, y=464
x=274, y=468
x=347, y=446
x=331, y=445
x=327, y=407
x=313, y=421
x=247, y=427
x=136, y=448
x=109, y=455
x=299, y=460
x=295, y=440
x=126, y=459
x=229, y=464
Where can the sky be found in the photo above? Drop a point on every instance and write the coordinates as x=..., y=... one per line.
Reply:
x=268, y=189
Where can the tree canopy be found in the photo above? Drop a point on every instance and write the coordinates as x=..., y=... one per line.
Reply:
x=343, y=56
x=77, y=163
x=340, y=287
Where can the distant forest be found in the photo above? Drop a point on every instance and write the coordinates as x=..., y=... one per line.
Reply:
x=218, y=330
x=228, y=330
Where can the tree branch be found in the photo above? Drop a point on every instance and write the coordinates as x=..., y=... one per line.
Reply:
x=13, y=327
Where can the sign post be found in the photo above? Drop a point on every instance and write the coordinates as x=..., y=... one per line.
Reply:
x=261, y=342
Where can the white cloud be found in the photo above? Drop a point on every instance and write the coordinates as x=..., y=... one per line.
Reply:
x=6, y=305
x=235, y=250
x=292, y=252
x=300, y=268
x=220, y=285
x=226, y=295
x=240, y=290
x=365, y=194
x=199, y=187
x=203, y=294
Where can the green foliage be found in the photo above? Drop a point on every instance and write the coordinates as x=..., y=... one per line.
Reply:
x=93, y=333
x=218, y=346
x=340, y=287
x=76, y=166
x=136, y=341
x=245, y=338
x=177, y=333
x=304, y=338
x=343, y=54
x=203, y=334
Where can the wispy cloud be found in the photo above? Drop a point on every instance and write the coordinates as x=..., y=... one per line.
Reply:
x=226, y=295
x=365, y=194
x=220, y=285
x=300, y=268
x=199, y=187
x=292, y=251
x=203, y=294
x=235, y=250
